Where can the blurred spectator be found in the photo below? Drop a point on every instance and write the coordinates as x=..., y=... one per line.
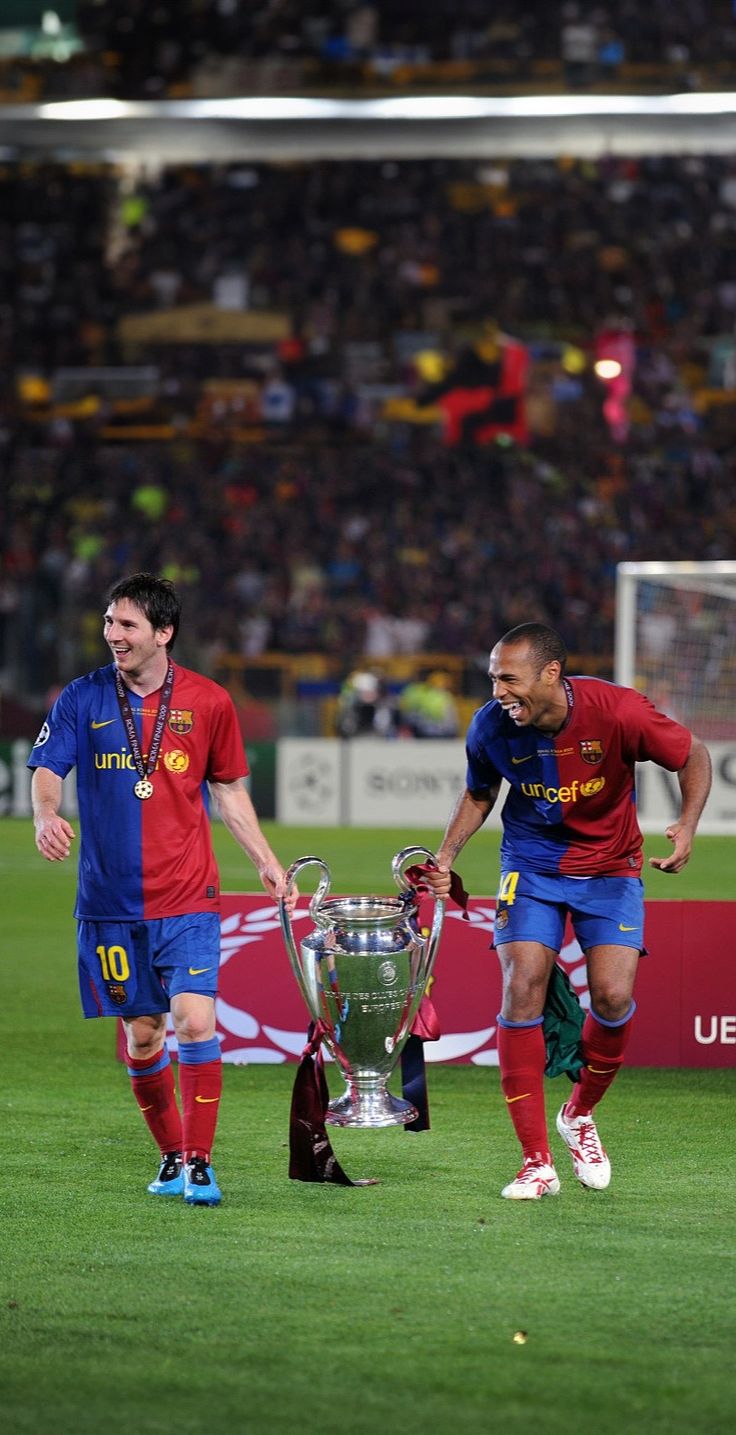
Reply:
x=427, y=708
x=579, y=45
x=364, y=707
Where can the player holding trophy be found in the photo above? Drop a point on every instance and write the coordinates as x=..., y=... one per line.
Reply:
x=571, y=845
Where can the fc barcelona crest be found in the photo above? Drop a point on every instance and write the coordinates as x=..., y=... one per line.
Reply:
x=181, y=720
x=592, y=751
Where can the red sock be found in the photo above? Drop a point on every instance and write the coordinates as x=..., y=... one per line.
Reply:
x=200, y=1084
x=603, y=1048
x=152, y=1081
x=521, y=1056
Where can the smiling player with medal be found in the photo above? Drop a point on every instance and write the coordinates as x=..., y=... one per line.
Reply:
x=148, y=893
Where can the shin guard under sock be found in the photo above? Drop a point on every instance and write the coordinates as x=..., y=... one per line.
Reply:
x=152, y=1082
x=200, y=1084
x=603, y=1044
x=521, y=1058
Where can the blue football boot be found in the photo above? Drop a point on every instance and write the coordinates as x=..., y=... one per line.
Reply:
x=170, y=1179
x=200, y=1186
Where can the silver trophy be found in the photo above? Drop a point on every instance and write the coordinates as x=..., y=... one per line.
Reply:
x=362, y=973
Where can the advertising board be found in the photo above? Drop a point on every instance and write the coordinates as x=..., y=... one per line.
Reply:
x=686, y=996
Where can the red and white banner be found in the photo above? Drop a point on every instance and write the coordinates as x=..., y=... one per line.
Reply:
x=685, y=991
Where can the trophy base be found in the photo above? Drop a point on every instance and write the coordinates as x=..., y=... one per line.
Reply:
x=371, y=1109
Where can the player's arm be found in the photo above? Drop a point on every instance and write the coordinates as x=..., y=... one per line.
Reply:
x=240, y=818
x=694, y=779
x=467, y=816
x=54, y=835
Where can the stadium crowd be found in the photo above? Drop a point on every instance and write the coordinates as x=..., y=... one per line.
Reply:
x=362, y=39
x=168, y=49
x=336, y=523
x=364, y=264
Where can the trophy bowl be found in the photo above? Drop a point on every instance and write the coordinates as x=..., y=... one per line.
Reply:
x=362, y=972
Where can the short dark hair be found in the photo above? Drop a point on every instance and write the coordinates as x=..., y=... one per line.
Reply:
x=156, y=597
x=544, y=643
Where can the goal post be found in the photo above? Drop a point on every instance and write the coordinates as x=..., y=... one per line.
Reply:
x=675, y=641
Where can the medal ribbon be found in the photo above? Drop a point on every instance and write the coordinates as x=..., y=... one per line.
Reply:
x=126, y=712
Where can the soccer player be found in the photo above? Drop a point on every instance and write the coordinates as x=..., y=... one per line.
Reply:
x=145, y=736
x=571, y=845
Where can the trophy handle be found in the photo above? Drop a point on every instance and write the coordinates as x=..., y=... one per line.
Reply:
x=285, y=916
x=397, y=868
x=399, y=862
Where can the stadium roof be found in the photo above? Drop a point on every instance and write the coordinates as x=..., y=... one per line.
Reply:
x=408, y=127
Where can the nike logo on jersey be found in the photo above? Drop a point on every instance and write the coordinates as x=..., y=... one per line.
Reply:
x=517, y=760
x=206, y=1100
x=622, y=928
x=106, y=723
x=197, y=971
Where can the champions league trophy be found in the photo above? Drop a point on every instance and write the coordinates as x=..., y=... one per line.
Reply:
x=363, y=972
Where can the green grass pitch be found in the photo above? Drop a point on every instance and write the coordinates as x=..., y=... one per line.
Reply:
x=383, y=1309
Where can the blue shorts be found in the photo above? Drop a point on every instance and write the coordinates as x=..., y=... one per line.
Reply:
x=604, y=911
x=133, y=969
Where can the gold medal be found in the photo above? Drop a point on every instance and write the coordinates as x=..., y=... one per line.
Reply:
x=143, y=789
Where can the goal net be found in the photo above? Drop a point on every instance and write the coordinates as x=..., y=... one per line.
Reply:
x=676, y=641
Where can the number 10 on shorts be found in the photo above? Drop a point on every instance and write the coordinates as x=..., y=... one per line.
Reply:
x=114, y=963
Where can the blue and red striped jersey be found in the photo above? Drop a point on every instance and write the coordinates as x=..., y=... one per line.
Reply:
x=571, y=804
x=154, y=858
